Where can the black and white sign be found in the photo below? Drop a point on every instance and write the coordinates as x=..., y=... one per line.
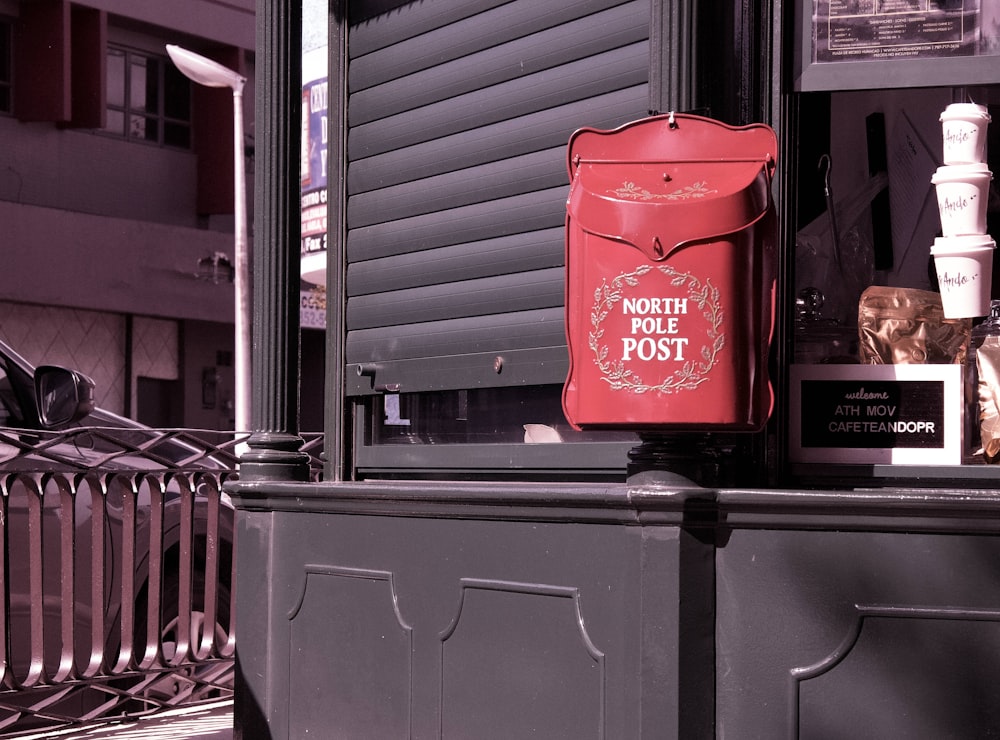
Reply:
x=905, y=414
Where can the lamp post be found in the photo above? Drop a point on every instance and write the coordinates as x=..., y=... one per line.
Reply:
x=204, y=71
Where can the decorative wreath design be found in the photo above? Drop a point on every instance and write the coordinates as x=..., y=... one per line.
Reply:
x=689, y=376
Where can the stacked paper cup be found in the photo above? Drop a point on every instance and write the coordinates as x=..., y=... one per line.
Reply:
x=963, y=255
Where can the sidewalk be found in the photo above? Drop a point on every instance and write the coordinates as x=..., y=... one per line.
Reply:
x=212, y=721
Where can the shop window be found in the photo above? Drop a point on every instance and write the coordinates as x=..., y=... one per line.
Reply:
x=880, y=310
x=148, y=99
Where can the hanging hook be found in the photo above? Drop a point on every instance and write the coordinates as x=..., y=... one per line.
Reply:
x=671, y=121
x=826, y=167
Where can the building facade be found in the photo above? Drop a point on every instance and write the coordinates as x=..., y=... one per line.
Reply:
x=116, y=196
x=470, y=566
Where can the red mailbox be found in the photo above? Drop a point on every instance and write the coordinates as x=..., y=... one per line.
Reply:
x=670, y=285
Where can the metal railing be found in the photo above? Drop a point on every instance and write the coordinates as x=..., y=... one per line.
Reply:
x=117, y=573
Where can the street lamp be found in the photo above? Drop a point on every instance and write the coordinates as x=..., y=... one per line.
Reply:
x=204, y=71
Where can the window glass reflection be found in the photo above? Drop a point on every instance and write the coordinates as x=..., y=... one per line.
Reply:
x=530, y=414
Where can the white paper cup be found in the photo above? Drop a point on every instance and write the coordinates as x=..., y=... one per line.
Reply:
x=964, y=267
x=962, y=194
x=963, y=130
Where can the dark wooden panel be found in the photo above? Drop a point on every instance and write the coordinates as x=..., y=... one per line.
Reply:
x=355, y=612
x=832, y=634
x=542, y=633
x=533, y=632
x=906, y=672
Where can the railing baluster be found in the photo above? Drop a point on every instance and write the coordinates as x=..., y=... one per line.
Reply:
x=185, y=573
x=151, y=655
x=207, y=647
x=8, y=677
x=128, y=654
x=65, y=490
x=36, y=584
x=97, y=660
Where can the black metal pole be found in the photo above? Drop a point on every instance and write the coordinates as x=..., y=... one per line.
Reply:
x=274, y=444
x=274, y=447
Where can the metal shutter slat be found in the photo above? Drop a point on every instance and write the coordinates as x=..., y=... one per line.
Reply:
x=534, y=250
x=496, y=333
x=523, y=291
x=539, y=210
x=529, y=172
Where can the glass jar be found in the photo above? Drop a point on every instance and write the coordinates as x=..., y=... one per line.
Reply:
x=982, y=390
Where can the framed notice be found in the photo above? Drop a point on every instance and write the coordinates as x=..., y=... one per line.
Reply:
x=869, y=414
x=856, y=44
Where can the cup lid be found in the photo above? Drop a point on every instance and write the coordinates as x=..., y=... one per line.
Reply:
x=966, y=110
x=949, y=172
x=964, y=242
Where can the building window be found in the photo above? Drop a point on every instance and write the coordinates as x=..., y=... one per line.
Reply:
x=148, y=99
x=6, y=55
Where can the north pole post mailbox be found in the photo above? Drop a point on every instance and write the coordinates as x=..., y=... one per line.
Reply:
x=670, y=286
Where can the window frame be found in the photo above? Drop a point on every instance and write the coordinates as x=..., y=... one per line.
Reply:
x=127, y=109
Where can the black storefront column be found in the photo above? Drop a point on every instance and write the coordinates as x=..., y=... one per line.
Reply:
x=274, y=445
x=273, y=452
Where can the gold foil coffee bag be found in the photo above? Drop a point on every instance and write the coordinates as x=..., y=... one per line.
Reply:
x=903, y=326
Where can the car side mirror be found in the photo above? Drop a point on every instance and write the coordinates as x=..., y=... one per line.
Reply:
x=62, y=395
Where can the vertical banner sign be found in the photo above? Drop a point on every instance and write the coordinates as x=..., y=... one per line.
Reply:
x=313, y=166
x=314, y=151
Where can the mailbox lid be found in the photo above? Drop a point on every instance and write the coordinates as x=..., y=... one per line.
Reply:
x=659, y=207
x=668, y=180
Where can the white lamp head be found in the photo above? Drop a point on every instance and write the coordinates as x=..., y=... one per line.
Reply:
x=205, y=71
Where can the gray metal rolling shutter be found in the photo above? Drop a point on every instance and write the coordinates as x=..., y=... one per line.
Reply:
x=458, y=116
